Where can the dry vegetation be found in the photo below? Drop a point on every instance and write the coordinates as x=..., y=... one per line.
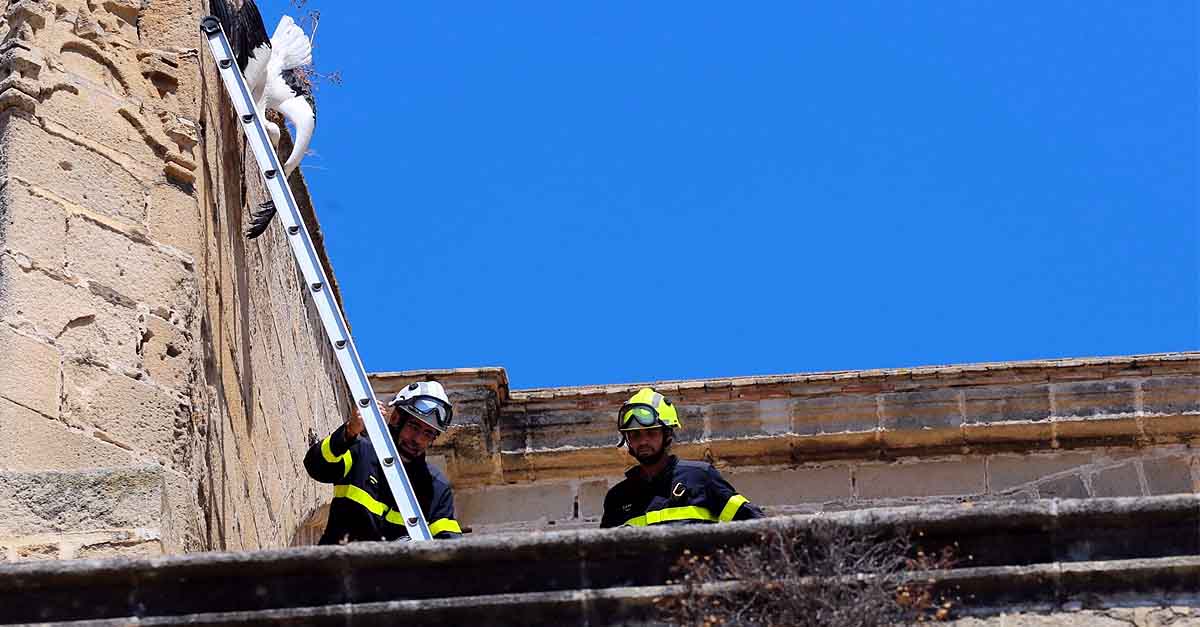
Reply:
x=825, y=575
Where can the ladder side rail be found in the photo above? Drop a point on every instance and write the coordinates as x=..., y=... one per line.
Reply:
x=316, y=283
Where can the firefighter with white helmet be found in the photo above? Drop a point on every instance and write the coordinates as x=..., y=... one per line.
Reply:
x=662, y=489
x=362, y=506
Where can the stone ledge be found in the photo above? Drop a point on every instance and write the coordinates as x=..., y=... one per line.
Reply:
x=1052, y=587
x=506, y=436
x=994, y=535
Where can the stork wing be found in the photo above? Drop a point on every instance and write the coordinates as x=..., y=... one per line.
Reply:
x=291, y=48
x=257, y=65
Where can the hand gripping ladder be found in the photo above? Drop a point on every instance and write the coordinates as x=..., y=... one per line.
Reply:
x=314, y=276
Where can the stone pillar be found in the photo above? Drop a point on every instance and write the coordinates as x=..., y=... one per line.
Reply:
x=98, y=215
x=160, y=378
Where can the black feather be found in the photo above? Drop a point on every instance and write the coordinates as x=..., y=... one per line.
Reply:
x=244, y=28
x=260, y=220
x=301, y=86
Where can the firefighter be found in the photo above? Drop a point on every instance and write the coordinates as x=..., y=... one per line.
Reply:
x=662, y=489
x=362, y=506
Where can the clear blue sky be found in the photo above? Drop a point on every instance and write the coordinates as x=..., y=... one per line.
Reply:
x=612, y=192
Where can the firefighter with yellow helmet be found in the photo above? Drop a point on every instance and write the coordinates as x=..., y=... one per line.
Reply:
x=662, y=489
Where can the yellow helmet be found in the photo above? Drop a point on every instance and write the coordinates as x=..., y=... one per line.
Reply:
x=646, y=410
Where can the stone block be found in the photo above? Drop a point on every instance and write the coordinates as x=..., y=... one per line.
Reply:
x=1006, y=472
x=74, y=173
x=591, y=497
x=82, y=324
x=138, y=548
x=914, y=411
x=173, y=218
x=165, y=352
x=1107, y=429
x=1030, y=435
x=998, y=404
x=851, y=413
x=1118, y=481
x=169, y=25
x=793, y=486
x=94, y=116
x=1169, y=475
x=732, y=419
x=33, y=226
x=775, y=415
x=1086, y=399
x=549, y=430
x=131, y=413
x=921, y=479
x=1172, y=396
x=40, y=551
x=135, y=270
x=30, y=374
x=46, y=502
x=1069, y=487
x=31, y=441
x=503, y=504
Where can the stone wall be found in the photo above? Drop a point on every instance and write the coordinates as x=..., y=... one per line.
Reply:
x=1122, y=426
x=160, y=377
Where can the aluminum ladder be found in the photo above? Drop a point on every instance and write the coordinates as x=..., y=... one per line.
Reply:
x=314, y=277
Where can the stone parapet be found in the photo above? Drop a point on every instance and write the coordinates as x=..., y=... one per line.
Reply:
x=1045, y=554
x=1112, y=426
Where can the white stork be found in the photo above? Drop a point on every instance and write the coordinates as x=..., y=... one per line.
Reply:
x=270, y=67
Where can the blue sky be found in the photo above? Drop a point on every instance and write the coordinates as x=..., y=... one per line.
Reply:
x=625, y=191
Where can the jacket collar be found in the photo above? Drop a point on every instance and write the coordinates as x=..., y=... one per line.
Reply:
x=667, y=471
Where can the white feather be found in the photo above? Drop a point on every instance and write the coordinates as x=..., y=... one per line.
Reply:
x=290, y=48
x=256, y=70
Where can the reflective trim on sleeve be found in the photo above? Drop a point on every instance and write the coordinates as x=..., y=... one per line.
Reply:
x=670, y=514
x=731, y=507
x=444, y=524
x=345, y=458
x=358, y=495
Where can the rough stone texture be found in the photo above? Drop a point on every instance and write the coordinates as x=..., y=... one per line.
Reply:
x=1120, y=480
x=1070, y=487
x=785, y=486
x=921, y=479
x=37, y=502
x=1171, y=475
x=140, y=333
x=31, y=441
x=502, y=504
x=34, y=383
x=1011, y=471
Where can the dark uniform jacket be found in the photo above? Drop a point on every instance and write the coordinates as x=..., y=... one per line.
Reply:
x=684, y=492
x=363, y=507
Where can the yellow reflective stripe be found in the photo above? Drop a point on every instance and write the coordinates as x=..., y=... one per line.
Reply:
x=731, y=507
x=358, y=495
x=444, y=524
x=691, y=512
x=345, y=458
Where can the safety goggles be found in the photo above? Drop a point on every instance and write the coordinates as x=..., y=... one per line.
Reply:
x=432, y=411
x=637, y=417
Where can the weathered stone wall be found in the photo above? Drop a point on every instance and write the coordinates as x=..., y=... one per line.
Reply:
x=1124, y=426
x=159, y=376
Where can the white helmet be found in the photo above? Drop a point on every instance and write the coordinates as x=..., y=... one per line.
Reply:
x=426, y=401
